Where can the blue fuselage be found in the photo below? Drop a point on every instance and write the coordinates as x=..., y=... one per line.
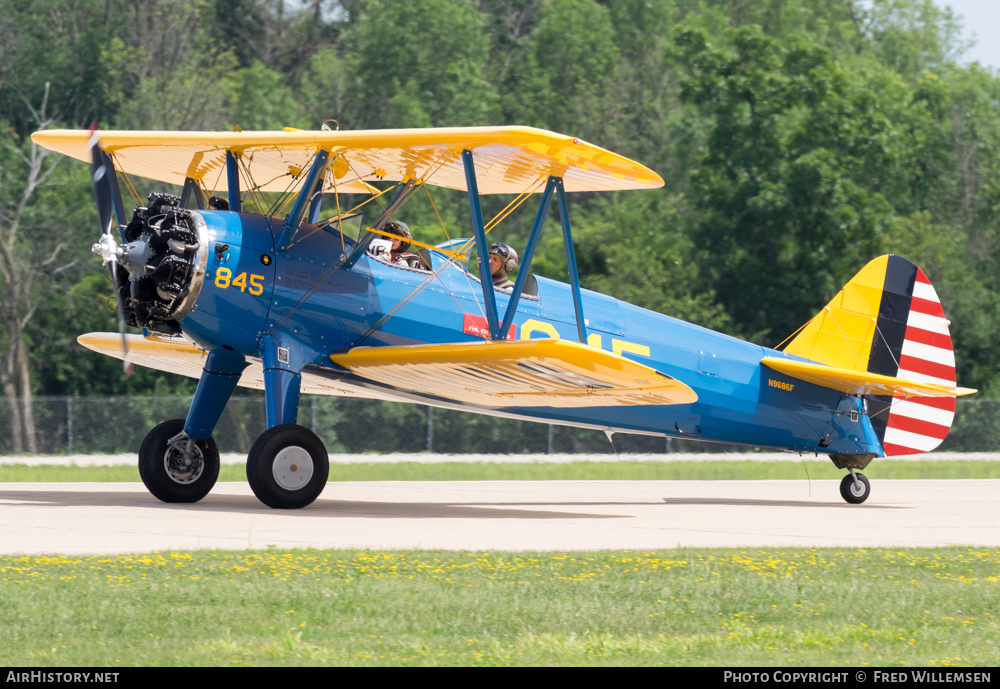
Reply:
x=300, y=298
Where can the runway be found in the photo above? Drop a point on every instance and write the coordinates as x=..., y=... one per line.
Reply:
x=106, y=518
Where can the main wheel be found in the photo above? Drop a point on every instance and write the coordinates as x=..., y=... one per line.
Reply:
x=852, y=493
x=287, y=467
x=172, y=475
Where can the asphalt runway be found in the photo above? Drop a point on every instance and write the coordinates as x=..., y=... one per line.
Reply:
x=95, y=518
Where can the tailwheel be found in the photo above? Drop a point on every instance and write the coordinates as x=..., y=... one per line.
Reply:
x=175, y=468
x=287, y=467
x=855, y=489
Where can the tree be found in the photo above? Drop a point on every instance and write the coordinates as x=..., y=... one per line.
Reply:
x=279, y=109
x=564, y=71
x=52, y=42
x=420, y=64
x=634, y=249
x=166, y=73
x=787, y=183
x=912, y=36
x=36, y=231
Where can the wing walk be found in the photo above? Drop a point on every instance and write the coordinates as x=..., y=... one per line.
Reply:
x=525, y=373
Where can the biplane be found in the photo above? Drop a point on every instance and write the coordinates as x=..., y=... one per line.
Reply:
x=290, y=300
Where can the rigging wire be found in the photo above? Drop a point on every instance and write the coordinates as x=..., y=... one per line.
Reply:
x=130, y=187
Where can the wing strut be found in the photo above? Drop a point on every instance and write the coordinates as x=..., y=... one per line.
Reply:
x=116, y=193
x=485, y=274
x=529, y=253
x=191, y=189
x=554, y=184
x=233, y=179
x=574, y=275
x=299, y=207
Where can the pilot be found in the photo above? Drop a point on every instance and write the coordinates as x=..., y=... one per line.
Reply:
x=503, y=260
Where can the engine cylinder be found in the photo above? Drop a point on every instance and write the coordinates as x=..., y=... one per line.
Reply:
x=164, y=263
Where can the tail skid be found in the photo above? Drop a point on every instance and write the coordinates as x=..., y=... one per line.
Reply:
x=887, y=334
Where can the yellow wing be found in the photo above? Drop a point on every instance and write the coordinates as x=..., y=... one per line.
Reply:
x=176, y=355
x=525, y=373
x=508, y=159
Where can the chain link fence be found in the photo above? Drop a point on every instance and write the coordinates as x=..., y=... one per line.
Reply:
x=117, y=425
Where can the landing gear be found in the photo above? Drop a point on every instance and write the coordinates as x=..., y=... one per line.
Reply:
x=854, y=488
x=176, y=468
x=287, y=467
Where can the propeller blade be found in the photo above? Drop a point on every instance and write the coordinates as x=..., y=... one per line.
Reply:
x=127, y=365
x=100, y=178
x=108, y=249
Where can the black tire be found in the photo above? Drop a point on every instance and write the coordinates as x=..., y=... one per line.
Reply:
x=850, y=493
x=287, y=467
x=165, y=471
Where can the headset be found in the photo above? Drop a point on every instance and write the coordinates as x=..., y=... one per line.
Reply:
x=508, y=255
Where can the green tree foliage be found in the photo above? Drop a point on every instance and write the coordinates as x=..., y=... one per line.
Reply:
x=166, y=72
x=420, y=64
x=788, y=180
x=565, y=69
x=912, y=36
x=263, y=100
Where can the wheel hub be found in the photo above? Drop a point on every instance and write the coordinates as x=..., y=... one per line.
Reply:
x=184, y=467
x=292, y=468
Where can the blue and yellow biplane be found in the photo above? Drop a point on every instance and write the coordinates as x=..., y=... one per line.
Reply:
x=293, y=301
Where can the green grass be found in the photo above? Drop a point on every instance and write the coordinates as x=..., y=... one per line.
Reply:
x=626, y=470
x=749, y=607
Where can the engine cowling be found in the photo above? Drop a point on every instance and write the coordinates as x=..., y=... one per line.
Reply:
x=162, y=265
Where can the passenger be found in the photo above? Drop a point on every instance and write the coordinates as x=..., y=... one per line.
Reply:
x=503, y=260
x=394, y=249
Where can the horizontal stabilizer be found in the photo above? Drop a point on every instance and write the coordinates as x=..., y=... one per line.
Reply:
x=860, y=382
x=524, y=373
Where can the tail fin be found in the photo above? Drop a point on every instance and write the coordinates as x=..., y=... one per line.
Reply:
x=888, y=320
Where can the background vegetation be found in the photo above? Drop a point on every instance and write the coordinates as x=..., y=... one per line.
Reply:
x=798, y=139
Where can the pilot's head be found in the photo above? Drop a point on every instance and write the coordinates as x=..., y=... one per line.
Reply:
x=503, y=260
x=399, y=242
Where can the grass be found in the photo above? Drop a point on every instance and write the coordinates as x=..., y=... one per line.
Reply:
x=750, y=607
x=502, y=471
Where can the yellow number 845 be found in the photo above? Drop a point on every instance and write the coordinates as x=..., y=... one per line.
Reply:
x=224, y=278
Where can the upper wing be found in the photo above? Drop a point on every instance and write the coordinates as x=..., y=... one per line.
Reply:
x=517, y=373
x=508, y=159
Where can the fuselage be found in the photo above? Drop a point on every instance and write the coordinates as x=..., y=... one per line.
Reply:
x=252, y=292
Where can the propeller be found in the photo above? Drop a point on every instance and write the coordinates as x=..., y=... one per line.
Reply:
x=108, y=248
